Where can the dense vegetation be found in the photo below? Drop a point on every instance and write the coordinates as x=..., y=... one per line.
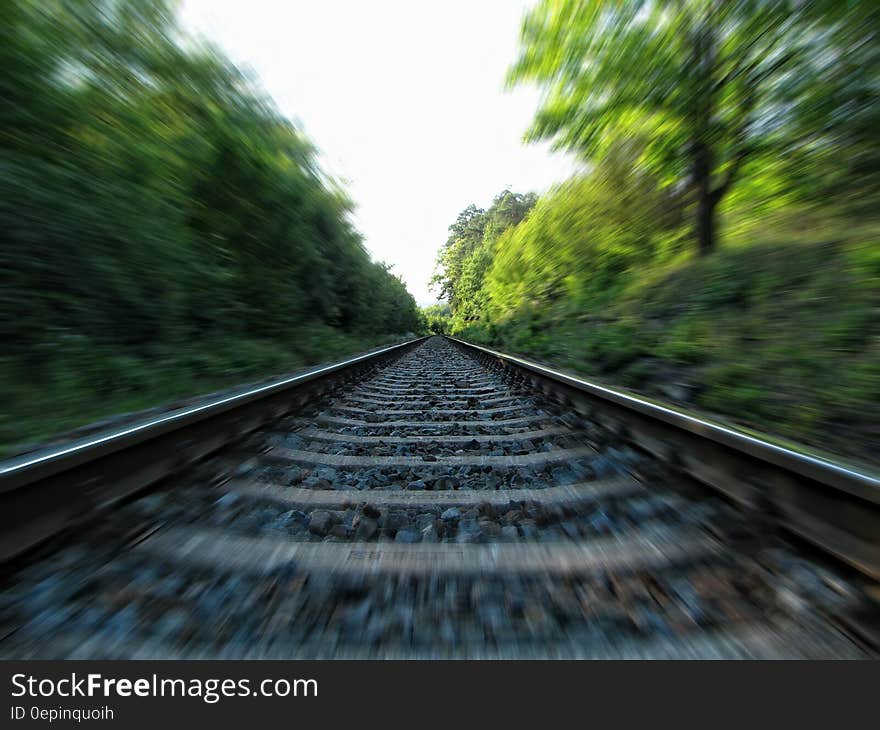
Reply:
x=721, y=248
x=164, y=229
x=437, y=319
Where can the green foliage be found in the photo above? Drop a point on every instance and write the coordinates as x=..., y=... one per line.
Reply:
x=704, y=85
x=462, y=263
x=437, y=319
x=582, y=240
x=152, y=197
x=760, y=114
x=838, y=115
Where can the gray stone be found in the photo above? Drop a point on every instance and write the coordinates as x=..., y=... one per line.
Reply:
x=407, y=536
x=393, y=519
x=369, y=510
x=416, y=485
x=509, y=532
x=492, y=482
x=468, y=525
x=294, y=475
x=299, y=517
x=310, y=483
x=320, y=522
x=447, y=483
x=365, y=528
x=348, y=517
x=469, y=537
x=512, y=516
x=453, y=513
x=293, y=441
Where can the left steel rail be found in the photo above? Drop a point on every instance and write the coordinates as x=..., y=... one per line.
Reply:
x=45, y=491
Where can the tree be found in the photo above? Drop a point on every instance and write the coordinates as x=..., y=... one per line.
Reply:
x=463, y=261
x=436, y=319
x=837, y=109
x=700, y=80
x=464, y=236
x=151, y=194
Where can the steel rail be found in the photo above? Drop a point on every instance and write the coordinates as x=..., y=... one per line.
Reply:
x=44, y=491
x=834, y=506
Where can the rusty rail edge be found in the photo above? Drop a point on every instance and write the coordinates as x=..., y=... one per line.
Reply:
x=834, y=506
x=48, y=490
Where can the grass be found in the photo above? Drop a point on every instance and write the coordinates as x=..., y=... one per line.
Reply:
x=76, y=382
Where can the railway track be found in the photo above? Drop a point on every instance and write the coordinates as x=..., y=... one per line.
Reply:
x=431, y=500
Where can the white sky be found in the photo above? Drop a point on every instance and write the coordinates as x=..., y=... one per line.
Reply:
x=406, y=102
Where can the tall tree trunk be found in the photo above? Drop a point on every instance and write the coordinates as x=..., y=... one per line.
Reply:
x=705, y=225
x=706, y=198
x=704, y=62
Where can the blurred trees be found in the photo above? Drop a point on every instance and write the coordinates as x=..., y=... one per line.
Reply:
x=165, y=231
x=149, y=193
x=464, y=259
x=437, y=319
x=749, y=123
x=837, y=108
x=704, y=83
x=684, y=111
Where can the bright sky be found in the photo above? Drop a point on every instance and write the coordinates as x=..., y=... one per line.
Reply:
x=406, y=102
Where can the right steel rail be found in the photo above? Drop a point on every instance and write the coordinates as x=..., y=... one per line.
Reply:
x=833, y=506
